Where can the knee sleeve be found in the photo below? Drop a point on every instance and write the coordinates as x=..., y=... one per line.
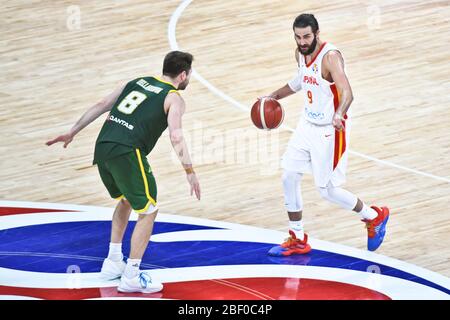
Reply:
x=342, y=197
x=292, y=192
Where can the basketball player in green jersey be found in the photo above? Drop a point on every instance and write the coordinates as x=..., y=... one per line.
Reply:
x=139, y=112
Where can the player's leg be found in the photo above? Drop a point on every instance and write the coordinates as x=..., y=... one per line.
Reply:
x=120, y=220
x=293, y=201
x=329, y=163
x=347, y=200
x=374, y=217
x=113, y=266
x=133, y=280
x=119, y=224
x=140, y=238
x=296, y=243
x=295, y=161
x=139, y=187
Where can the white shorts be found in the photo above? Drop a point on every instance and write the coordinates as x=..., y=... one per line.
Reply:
x=320, y=150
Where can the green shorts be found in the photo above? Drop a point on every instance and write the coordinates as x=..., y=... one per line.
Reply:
x=129, y=175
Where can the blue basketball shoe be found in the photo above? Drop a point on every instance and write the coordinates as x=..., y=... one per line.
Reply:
x=376, y=228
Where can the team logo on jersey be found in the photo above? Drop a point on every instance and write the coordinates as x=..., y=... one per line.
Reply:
x=55, y=251
x=315, y=68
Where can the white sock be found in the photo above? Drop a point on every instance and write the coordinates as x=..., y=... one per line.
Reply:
x=115, y=252
x=297, y=227
x=368, y=213
x=132, y=268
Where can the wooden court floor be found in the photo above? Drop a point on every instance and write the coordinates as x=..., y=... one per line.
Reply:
x=58, y=58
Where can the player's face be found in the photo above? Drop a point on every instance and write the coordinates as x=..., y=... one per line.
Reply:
x=306, y=40
x=183, y=84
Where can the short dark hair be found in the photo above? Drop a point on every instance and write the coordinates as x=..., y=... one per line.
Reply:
x=175, y=62
x=304, y=20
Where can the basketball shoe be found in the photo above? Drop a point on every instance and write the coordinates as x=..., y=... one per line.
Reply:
x=112, y=270
x=142, y=282
x=376, y=228
x=291, y=246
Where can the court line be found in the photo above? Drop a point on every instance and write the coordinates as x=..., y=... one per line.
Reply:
x=174, y=46
x=245, y=289
x=93, y=213
x=68, y=256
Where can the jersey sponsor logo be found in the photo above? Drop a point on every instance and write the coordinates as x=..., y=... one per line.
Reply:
x=121, y=122
x=314, y=115
x=310, y=80
x=148, y=87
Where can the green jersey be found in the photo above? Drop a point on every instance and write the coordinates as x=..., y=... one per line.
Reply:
x=136, y=120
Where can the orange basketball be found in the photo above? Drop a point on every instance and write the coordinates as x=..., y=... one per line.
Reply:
x=267, y=114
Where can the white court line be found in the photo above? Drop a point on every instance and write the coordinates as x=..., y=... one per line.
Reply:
x=174, y=46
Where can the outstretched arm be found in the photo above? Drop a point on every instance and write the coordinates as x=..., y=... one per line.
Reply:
x=176, y=106
x=335, y=64
x=90, y=115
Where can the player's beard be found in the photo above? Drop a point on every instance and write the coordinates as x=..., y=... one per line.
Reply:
x=183, y=84
x=310, y=49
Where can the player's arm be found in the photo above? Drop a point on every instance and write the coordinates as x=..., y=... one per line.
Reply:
x=90, y=115
x=175, y=105
x=334, y=63
x=291, y=87
x=282, y=92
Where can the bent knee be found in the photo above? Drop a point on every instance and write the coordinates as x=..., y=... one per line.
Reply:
x=324, y=193
x=124, y=202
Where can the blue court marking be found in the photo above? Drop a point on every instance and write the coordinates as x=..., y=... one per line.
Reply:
x=56, y=246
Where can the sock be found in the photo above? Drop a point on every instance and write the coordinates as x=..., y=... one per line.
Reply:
x=115, y=252
x=297, y=227
x=368, y=213
x=132, y=268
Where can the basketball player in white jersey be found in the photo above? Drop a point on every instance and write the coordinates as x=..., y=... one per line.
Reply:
x=319, y=144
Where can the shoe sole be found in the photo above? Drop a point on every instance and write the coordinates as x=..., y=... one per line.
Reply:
x=139, y=290
x=306, y=250
x=109, y=277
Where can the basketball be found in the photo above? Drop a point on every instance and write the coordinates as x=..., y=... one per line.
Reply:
x=267, y=114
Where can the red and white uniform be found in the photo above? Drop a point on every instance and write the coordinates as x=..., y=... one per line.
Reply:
x=316, y=146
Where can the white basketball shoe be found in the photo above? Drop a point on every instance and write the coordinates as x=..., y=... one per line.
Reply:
x=140, y=283
x=112, y=270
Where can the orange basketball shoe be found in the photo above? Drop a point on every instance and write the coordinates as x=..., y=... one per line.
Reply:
x=291, y=246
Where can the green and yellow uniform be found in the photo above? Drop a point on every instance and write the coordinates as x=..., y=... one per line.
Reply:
x=133, y=127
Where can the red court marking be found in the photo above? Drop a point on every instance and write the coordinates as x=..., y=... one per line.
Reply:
x=223, y=289
x=7, y=211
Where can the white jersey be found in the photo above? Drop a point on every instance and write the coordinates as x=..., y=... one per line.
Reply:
x=316, y=146
x=321, y=96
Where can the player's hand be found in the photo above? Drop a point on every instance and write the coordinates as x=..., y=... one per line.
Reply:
x=338, y=121
x=195, y=185
x=66, y=138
